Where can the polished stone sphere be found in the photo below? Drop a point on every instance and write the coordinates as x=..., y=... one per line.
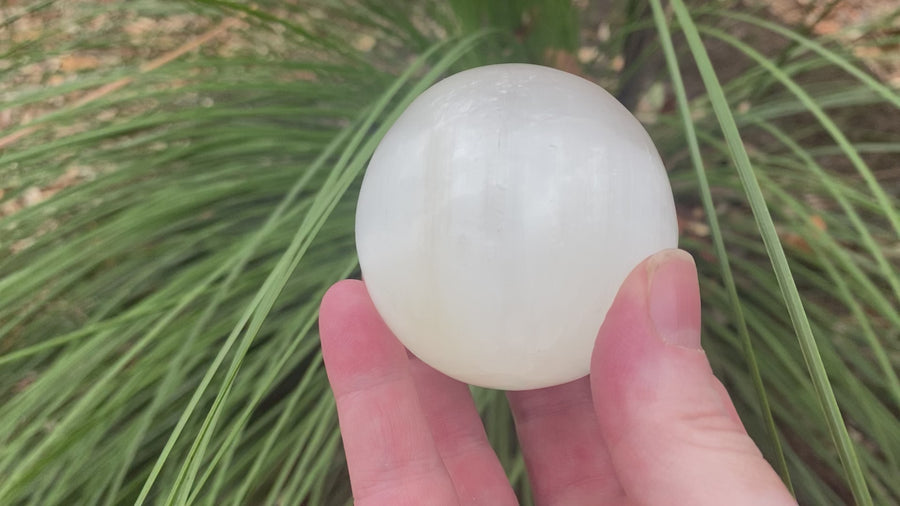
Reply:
x=499, y=216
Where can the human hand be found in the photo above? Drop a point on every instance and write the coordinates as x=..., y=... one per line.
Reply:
x=651, y=425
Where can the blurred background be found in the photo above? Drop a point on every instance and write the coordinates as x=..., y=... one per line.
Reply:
x=177, y=189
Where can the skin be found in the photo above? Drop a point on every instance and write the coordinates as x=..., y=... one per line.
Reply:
x=650, y=425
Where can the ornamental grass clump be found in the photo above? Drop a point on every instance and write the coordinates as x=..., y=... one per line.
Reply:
x=178, y=186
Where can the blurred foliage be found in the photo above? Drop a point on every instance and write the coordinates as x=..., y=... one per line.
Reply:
x=177, y=187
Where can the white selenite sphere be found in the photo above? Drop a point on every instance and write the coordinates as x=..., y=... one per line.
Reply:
x=498, y=218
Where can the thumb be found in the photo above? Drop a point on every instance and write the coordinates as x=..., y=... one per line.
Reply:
x=672, y=432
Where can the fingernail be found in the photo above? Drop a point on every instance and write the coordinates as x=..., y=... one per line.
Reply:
x=674, y=298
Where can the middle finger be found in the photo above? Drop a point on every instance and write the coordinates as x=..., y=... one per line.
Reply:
x=564, y=452
x=460, y=438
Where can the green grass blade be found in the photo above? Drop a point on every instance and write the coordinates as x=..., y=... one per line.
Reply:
x=832, y=57
x=875, y=345
x=339, y=180
x=818, y=373
x=886, y=269
x=718, y=242
x=888, y=206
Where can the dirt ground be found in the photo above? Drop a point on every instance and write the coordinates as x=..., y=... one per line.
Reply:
x=848, y=21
